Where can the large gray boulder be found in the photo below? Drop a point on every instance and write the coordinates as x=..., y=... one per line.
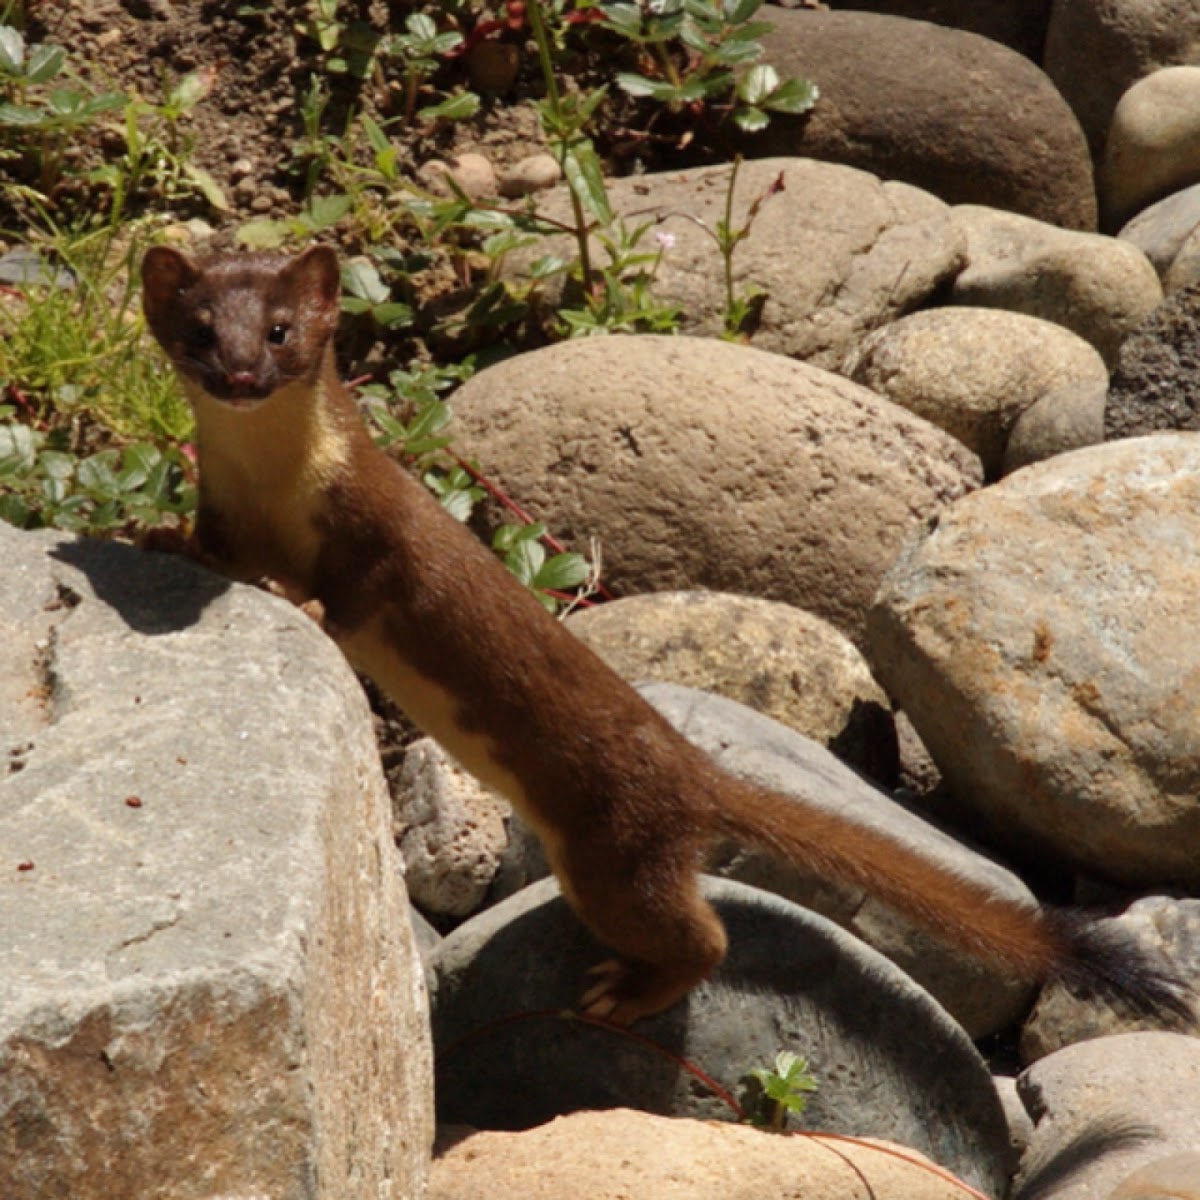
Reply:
x=1040, y=641
x=698, y=463
x=947, y=111
x=891, y=1064
x=209, y=986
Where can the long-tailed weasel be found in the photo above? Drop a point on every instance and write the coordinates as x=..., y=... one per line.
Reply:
x=292, y=487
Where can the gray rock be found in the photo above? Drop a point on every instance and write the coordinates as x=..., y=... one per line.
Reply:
x=1098, y=287
x=1024, y=638
x=982, y=998
x=1106, y=1108
x=1096, y=49
x=1160, y=230
x=1067, y=418
x=701, y=464
x=1020, y=1127
x=209, y=982
x=1156, y=385
x=1153, y=145
x=1170, y=928
x=453, y=831
x=871, y=250
x=1020, y=24
x=778, y=660
x=1184, y=270
x=890, y=1063
x=974, y=371
x=957, y=125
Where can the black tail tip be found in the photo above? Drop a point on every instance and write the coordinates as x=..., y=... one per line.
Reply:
x=1101, y=958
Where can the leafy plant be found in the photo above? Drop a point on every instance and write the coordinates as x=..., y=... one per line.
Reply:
x=418, y=50
x=703, y=52
x=549, y=577
x=784, y=1088
x=43, y=485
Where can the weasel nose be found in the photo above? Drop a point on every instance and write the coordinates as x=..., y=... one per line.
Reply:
x=241, y=382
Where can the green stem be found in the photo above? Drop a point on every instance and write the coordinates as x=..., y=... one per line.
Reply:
x=537, y=23
x=728, y=241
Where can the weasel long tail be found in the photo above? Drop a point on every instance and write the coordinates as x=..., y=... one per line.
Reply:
x=1086, y=955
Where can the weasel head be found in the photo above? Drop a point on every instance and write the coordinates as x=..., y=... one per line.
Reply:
x=240, y=327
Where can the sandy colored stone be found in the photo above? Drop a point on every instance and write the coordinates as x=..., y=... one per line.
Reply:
x=974, y=371
x=1067, y=418
x=1153, y=146
x=778, y=660
x=1025, y=638
x=696, y=463
x=1098, y=287
x=625, y=1155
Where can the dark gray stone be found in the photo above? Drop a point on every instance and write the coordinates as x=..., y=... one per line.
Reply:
x=890, y=1062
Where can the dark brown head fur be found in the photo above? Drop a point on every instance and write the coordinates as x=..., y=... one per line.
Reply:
x=276, y=315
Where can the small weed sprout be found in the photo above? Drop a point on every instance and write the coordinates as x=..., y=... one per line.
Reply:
x=783, y=1088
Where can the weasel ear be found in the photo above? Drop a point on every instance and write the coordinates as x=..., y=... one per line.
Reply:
x=165, y=273
x=316, y=274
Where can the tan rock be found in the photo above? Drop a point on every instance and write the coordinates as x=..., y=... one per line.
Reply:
x=701, y=464
x=1098, y=287
x=772, y=657
x=974, y=371
x=625, y=1155
x=1153, y=146
x=1025, y=638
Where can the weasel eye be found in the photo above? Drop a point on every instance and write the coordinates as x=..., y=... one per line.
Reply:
x=203, y=336
x=277, y=335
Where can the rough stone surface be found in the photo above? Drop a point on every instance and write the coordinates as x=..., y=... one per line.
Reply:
x=697, y=463
x=1156, y=385
x=1098, y=287
x=1169, y=928
x=625, y=1155
x=890, y=1062
x=1160, y=230
x=1096, y=49
x=1106, y=1108
x=1153, y=145
x=871, y=250
x=1024, y=638
x=1184, y=270
x=778, y=660
x=209, y=986
x=1067, y=418
x=1176, y=1177
x=1020, y=24
x=957, y=127
x=974, y=371
x=453, y=831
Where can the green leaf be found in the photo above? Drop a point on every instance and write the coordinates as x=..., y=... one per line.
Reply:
x=459, y=503
x=44, y=63
x=586, y=178
x=421, y=26
x=562, y=572
x=638, y=85
x=393, y=314
x=55, y=464
x=12, y=50
x=327, y=210
x=757, y=84
x=752, y=120
x=18, y=449
x=207, y=186
x=18, y=114
x=525, y=560
x=97, y=475
x=793, y=96
x=361, y=278
x=16, y=512
x=263, y=234
x=191, y=89
x=738, y=12
x=454, y=108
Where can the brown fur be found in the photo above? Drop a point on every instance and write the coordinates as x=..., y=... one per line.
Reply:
x=291, y=486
